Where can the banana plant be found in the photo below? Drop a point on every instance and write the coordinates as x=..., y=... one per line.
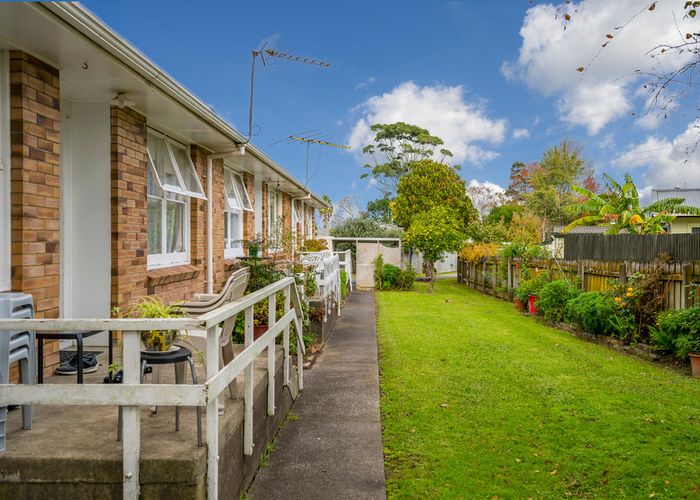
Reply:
x=619, y=209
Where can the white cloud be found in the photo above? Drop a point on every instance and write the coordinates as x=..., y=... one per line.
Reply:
x=521, y=133
x=440, y=109
x=607, y=89
x=667, y=162
x=366, y=83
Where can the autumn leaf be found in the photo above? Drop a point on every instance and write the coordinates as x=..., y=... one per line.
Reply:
x=580, y=69
x=567, y=17
x=652, y=6
x=608, y=35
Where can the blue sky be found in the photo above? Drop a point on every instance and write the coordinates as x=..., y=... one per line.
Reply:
x=497, y=80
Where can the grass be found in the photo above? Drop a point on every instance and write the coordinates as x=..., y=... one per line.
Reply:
x=479, y=401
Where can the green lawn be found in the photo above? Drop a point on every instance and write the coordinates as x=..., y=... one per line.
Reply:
x=481, y=402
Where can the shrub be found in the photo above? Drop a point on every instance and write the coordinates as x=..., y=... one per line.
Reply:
x=474, y=252
x=532, y=286
x=553, y=298
x=314, y=245
x=391, y=277
x=593, y=312
x=343, y=285
x=678, y=331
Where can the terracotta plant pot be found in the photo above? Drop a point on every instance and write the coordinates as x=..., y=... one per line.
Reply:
x=258, y=331
x=695, y=364
x=532, y=305
x=519, y=304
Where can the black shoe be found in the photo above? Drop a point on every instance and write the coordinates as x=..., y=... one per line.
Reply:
x=71, y=367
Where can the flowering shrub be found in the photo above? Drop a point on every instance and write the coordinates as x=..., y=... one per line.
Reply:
x=678, y=332
x=474, y=252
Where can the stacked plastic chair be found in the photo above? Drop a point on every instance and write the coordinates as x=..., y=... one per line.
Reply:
x=17, y=347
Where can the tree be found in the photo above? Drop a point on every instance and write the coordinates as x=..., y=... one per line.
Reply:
x=552, y=196
x=363, y=227
x=429, y=184
x=502, y=213
x=379, y=210
x=520, y=186
x=433, y=233
x=525, y=228
x=485, y=196
x=326, y=213
x=620, y=209
x=395, y=146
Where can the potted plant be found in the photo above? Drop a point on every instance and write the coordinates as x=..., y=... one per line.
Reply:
x=154, y=307
x=253, y=248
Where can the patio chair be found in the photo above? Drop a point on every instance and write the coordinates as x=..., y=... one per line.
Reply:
x=233, y=290
x=16, y=347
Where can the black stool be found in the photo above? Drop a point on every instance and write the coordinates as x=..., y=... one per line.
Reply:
x=177, y=357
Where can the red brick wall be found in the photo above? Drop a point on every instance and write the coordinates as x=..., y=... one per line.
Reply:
x=218, y=223
x=35, y=141
x=129, y=205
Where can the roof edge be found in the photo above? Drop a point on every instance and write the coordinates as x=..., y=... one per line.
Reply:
x=94, y=29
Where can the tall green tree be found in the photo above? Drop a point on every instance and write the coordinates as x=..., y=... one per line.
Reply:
x=551, y=197
x=429, y=184
x=379, y=210
x=619, y=209
x=434, y=233
x=394, y=147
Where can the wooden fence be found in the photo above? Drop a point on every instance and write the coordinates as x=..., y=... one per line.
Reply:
x=499, y=277
x=632, y=247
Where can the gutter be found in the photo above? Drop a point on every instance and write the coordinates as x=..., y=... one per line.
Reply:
x=90, y=26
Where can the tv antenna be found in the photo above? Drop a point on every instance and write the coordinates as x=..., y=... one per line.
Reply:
x=313, y=139
x=265, y=52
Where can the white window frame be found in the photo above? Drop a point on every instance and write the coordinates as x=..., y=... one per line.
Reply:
x=5, y=218
x=271, y=190
x=309, y=222
x=242, y=203
x=181, y=188
x=160, y=260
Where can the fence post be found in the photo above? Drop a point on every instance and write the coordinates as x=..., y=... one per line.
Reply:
x=213, y=349
x=582, y=274
x=494, y=275
x=131, y=418
x=271, y=320
x=623, y=273
x=285, y=341
x=248, y=389
x=510, y=278
x=685, y=289
x=483, y=275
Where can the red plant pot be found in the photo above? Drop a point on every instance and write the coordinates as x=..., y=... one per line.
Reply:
x=519, y=304
x=695, y=365
x=258, y=331
x=532, y=305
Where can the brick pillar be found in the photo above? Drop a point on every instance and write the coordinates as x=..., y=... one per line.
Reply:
x=35, y=141
x=198, y=212
x=218, y=208
x=129, y=205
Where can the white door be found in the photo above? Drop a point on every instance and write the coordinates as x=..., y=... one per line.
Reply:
x=86, y=214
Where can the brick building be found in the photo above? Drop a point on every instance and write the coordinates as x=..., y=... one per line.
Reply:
x=115, y=181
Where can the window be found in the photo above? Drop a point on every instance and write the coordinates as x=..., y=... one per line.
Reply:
x=695, y=230
x=236, y=202
x=172, y=179
x=274, y=223
x=5, y=274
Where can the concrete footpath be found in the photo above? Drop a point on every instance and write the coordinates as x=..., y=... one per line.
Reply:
x=331, y=446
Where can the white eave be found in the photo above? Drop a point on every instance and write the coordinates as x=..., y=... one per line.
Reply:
x=66, y=34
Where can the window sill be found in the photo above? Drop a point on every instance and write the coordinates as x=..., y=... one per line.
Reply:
x=166, y=275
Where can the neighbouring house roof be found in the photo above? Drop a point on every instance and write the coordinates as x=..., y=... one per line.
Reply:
x=96, y=63
x=559, y=230
x=691, y=195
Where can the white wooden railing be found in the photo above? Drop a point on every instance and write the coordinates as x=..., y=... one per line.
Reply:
x=327, y=268
x=345, y=261
x=131, y=394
